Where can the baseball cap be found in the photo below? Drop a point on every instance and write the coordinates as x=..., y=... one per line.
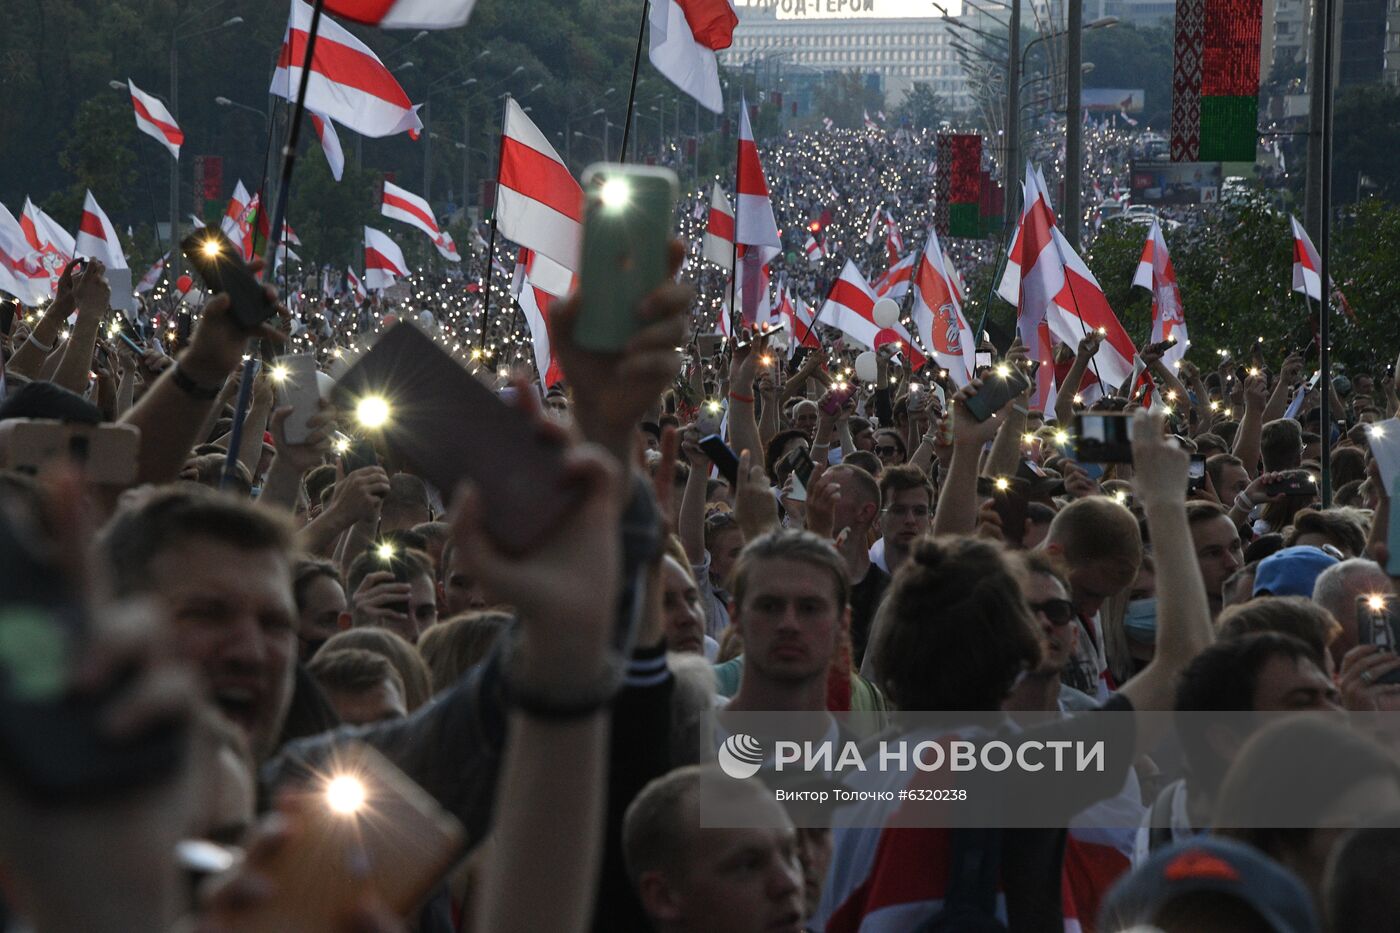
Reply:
x=1209, y=864
x=1291, y=571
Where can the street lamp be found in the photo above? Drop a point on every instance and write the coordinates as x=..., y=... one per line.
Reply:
x=225, y=102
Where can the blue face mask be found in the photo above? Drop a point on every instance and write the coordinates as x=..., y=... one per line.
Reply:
x=1140, y=621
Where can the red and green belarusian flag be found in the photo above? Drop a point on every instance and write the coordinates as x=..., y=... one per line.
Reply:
x=1215, y=81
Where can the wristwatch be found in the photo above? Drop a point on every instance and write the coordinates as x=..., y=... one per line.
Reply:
x=547, y=702
x=191, y=388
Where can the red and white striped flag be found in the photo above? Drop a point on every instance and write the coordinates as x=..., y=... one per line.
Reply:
x=938, y=315
x=1307, y=266
x=799, y=320
x=21, y=272
x=539, y=205
x=152, y=276
x=754, y=224
x=404, y=14
x=850, y=307
x=685, y=35
x=235, y=223
x=874, y=226
x=154, y=120
x=1155, y=273
x=446, y=247
x=543, y=272
x=402, y=204
x=357, y=288
x=535, y=302
x=894, y=284
x=384, y=262
x=869, y=123
x=97, y=238
x=816, y=249
x=894, y=243
x=348, y=82
x=718, y=245
x=330, y=143
x=954, y=279
x=54, y=245
x=289, y=235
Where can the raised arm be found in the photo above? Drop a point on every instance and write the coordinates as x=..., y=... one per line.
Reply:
x=1282, y=394
x=30, y=355
x=743, y=429
x=1252, y=424
x=1064, y=401
x=957, y=500
x=94, y=297
x=692, y=518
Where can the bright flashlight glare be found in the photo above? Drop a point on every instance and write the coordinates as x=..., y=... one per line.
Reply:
x=1003, y=370
x=1214, y=405
x=713, y=406
x=1120, y=496
x=615, y=193
x=1061, y=438
x=211, y=248
x=766, y=360
x=1002, y=483
x=385, y=551
x=279, y=372
x=345, y=795
x=1376, y=601
x=1027, y=439
x=372, y=411
x=1253, y=370
x=1078, y=399
x=342, y=444
x=1377, y=430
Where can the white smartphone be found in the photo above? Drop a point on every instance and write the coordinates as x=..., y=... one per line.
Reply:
x=297, y=386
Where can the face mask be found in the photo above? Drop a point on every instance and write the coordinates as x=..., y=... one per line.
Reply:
x=1140, y=621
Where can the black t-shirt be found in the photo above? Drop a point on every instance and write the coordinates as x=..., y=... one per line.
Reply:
x=865, y=600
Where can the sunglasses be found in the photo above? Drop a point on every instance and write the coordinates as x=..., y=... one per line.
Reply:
x=881, y=449
x=1058, y=611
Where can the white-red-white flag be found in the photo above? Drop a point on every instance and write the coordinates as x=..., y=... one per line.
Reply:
x=535, y=302
x=799, y=320
x=357, y=288
x=21, y=272
x=1155, y=273
x=289, y=235
x=348, y=82
x=938, y=315
x=754, y=223
x=1307, y=269
x=815, y=249
x=718, y=245
x=97, y=238
x=402, y=204
x=384, y=262
x=55, y=246
x=447, y=247
x=234, y=222
x=873, y=227
x=538, y=203
x=894, y=283
x=154, y=120
x=330, y=143
x=894, y=243
x=850, y=307
x=954, y=279
x=404, y=14
x=685, y=35
x=152, y=276
x=544, y=273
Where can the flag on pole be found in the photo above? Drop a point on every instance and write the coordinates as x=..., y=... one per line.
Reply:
x=1156, y=274
x=685, y=35
x=233, y=223
x=815, y=249
x=1307, y=266
x=534, y=303
x=954, y=279
x=850, y=307
x=330, y=143
x=755, y=228
x=54, y=245
x=152, y=276
x=938, y=315
x=800, y=322
x=402, y=204
x=538, y=203
x=348, y=82
x=544, y=273
x=894, y=283
x=154, y=120
x=21, y=272
x=404, y=14
x=357, y=288
x=384, y=262
x=97, y=239
x=874, y=226
x=894, y=243
x=289, y=235
x=718, y=245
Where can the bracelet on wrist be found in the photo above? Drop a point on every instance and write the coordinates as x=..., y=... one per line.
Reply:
x=185, y=384
x=735, y=396
x=1244, y=503
x=34, y=339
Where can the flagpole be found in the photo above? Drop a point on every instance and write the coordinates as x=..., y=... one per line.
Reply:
x=735, y=316
x=289, y=159
x=491, y=243
x=1327, y=11
x=632, y=91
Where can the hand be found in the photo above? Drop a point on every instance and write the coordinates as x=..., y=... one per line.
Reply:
x=968, y=432
x=989, y=522
x=612, y=391
x=1359, y=679
x=690, y=449
x=153, y=363
x=91, y=291
x=823, y=495
x=360, y=495
x=744, y=366
x=1089, y=345
x=217, y=344
x=1256, y=391
x=1159, y=462
x=564, y=638
x=755, y=509
x=1292, y=369
x=1189, y=373
x=310, y=452
x=1077, y=482
x=379, y=600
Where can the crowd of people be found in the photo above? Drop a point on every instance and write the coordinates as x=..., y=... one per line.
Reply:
x=221, y=640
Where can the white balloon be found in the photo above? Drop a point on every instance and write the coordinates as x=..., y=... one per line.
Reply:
x=426, y=320
x=866, y=367
x=886, y=312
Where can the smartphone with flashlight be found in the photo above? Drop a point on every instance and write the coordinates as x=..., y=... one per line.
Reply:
x=1011, y=497
x=1293, y=483
x=722, y=457
x=359, y=454
x=362, y=824
x=1196, y=473
x=997, y=389
x=445, y=426
x=835, y=399
x=628, y=213
x=1375, y=625
x=294, y=377
x=222, y=269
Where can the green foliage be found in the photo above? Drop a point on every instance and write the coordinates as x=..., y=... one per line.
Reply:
x=923, y=107
x=1127, y=56
x=329, y=216
x=99, y=157
x=846, y=98
x=1366, y=137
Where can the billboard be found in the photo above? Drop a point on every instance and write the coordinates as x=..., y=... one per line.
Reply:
x=844, y=9
x=1112, y=99
x=1161, y=182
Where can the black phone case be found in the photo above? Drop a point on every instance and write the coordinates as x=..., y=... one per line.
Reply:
x=722, y=457
x=228, y=273
x=996, y=391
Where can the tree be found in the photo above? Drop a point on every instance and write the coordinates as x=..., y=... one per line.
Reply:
x=1366, y=136
x=922, y=106
x=845, y=97
x=1128, y=57
x=98, y=157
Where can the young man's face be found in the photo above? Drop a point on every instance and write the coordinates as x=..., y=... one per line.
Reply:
x=790, y=620
x=684, y=617
x=422, y=608
x=1092, y=582
x=1218, y=552
x=1234, y=479
x=737, y=881
x=324, y=601
x=461, y=593
x=905, y=518
x=381, y=702
x=1294, y=684
x=235, y=617
x=725, y=551
x=1058, y=640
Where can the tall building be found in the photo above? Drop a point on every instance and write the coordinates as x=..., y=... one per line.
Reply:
x=1392, y=44
x=867, y=36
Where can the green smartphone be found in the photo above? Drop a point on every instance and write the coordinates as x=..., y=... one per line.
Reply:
x=628, y=214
